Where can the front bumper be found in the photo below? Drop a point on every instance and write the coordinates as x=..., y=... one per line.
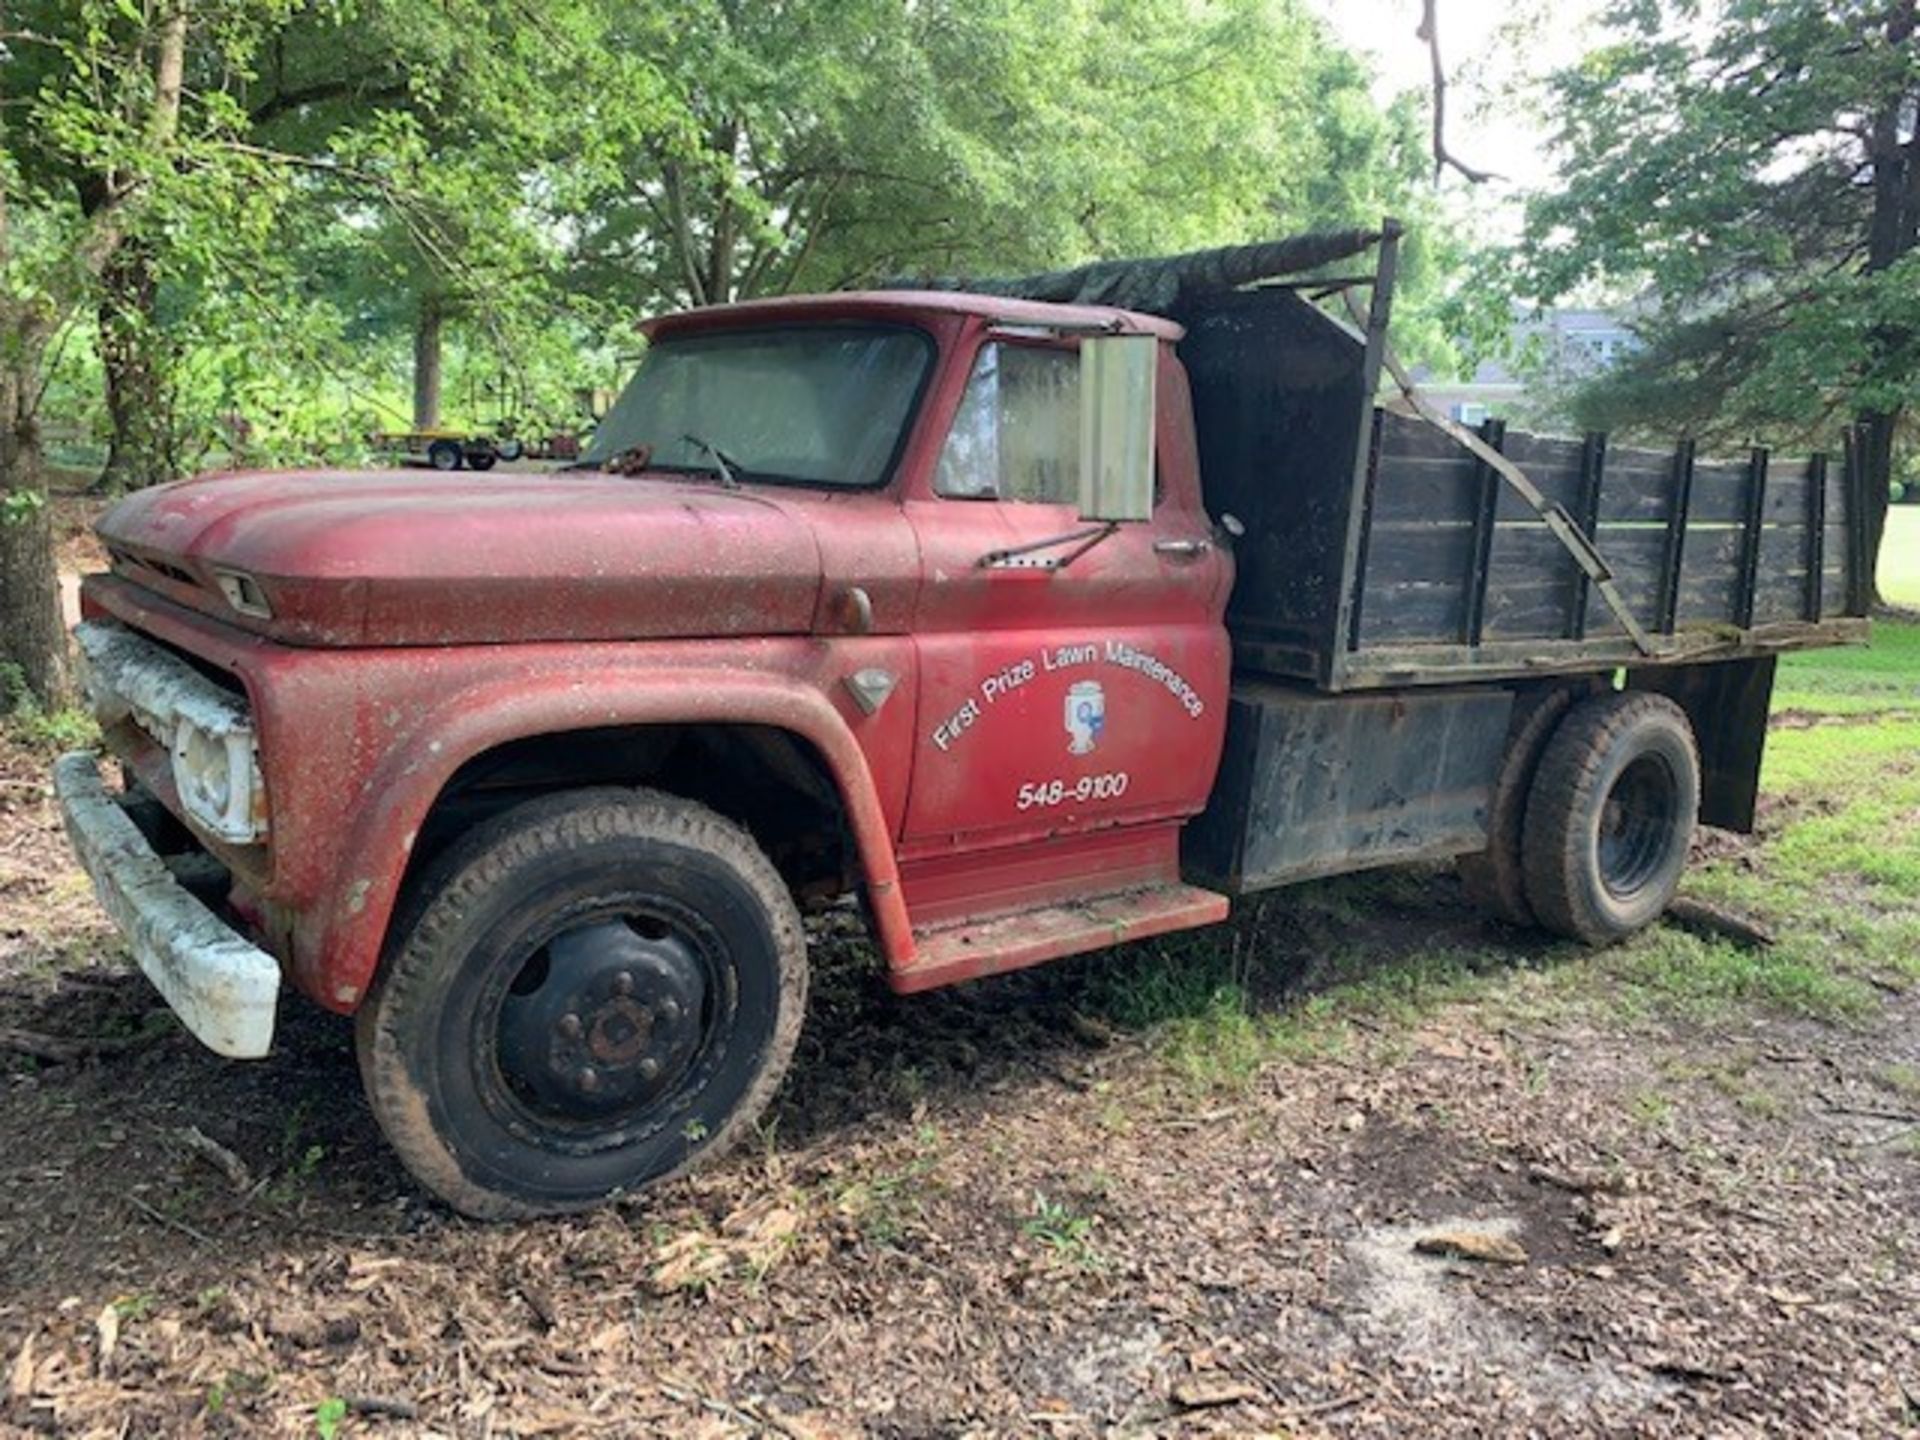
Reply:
x=223, y=987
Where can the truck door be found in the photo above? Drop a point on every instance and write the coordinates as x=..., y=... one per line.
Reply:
x=1062, y=690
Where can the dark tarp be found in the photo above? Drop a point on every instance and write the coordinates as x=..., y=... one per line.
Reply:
x=1165, y=284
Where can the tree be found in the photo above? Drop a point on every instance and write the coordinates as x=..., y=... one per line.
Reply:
x=834, y=145
x=491, y=121
x=168, y=150
x=1751, y=173
x=122, y=108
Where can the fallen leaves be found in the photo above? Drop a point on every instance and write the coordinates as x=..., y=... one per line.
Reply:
x=1212, y=1393
x=20, y=1375
x=106, y=1328
x=752, y=1240
x=1482, y=1246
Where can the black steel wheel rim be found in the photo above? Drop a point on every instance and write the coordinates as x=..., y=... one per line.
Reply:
x=603, y=1028
x=1637, y=826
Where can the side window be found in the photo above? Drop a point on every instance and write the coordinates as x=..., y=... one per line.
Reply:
x=1016, y=435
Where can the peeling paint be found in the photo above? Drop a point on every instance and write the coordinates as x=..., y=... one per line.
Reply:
x=223, y=988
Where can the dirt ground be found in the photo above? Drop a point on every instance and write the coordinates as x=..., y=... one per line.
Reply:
x=985, y=1212
x=1016, y=1208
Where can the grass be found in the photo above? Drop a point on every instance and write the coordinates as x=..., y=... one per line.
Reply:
x=1884, y=675
x=1066, y=1234
x=28, y=723
x=1836, y=873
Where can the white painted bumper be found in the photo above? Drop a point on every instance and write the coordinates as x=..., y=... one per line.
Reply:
x=223, y=987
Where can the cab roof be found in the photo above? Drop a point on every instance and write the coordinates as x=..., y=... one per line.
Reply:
x=909, y=304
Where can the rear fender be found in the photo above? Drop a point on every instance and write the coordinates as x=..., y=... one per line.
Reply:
x=1727, y=703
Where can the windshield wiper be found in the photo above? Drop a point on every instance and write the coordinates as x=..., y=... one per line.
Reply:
x=723, y=463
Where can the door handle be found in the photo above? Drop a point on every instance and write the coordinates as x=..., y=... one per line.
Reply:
x=1182, y=549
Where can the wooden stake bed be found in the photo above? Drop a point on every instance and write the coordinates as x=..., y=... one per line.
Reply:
x=1381, y=552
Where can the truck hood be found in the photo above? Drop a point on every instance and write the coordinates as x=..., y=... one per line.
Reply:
x=400, y=558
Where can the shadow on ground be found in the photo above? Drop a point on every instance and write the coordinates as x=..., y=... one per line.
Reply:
x=101, y=1189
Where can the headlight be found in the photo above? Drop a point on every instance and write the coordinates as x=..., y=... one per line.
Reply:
x=217, y=777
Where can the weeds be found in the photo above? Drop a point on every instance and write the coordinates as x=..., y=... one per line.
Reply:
x=1902, y=1079
x=886, y=1205
x=328, y=1416
x=1650, y=1107
x=1066, y=1234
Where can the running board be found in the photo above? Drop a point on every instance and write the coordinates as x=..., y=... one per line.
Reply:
x=1009, y=942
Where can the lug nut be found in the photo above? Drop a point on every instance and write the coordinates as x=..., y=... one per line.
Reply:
x=589, y=1079
x=623, y=983
x=649, y=1068
x=570, y=1027
x=670, y=1010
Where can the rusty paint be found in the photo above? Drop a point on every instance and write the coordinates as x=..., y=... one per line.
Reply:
x=418, y=621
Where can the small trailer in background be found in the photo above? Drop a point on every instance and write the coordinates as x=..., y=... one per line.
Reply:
x=445, y=449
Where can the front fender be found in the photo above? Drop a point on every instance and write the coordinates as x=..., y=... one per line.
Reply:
x=356, y=745
x=789, y=685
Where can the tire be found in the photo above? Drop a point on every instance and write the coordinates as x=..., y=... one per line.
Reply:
x=481, y=459
x=510, y=450
x=444, y=455
x=1494, y=878
x=589, y=993
x=1610, y=818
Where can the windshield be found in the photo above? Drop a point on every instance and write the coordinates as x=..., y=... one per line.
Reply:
x=808, y=405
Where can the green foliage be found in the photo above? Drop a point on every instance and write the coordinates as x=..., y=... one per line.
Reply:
x=1736, y=172
x=18, y=507
x=29, y=721
x=539, y=175
x=833, y=145
x=328, y=1416
x=1067, y=1234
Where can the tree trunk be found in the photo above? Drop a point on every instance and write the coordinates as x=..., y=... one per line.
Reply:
x=426, y=364
x=33, y=642
x=1892, y=234
x=1877, y=430
x=141, y=451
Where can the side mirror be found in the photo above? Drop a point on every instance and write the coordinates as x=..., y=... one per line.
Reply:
x=1116, y=426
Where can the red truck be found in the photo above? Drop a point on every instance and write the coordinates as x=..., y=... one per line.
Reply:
x=1033, y=626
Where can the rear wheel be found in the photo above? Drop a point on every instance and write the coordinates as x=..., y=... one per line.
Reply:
x=1495, y=879
x=593, y=991
x=1610, y=818
x=444, y=455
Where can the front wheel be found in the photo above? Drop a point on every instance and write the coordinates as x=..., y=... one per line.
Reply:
x=593, y=991
x=1610, y=816
x=444, y=455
